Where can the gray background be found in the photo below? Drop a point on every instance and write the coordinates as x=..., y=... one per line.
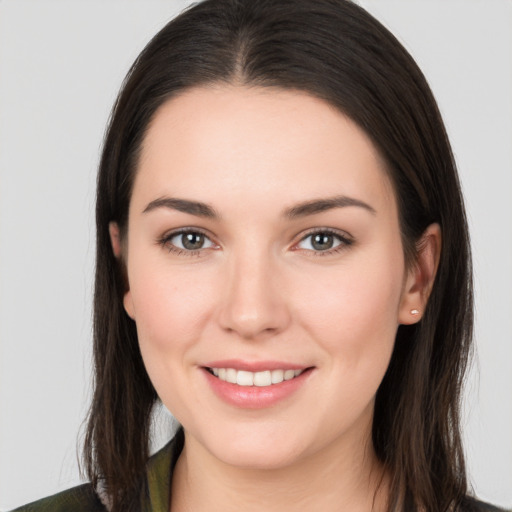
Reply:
x=61, y=64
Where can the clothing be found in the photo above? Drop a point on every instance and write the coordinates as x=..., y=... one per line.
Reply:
x=83, y=498
x=159, y=474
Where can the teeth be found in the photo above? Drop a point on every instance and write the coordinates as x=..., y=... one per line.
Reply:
x=231, y=375
x=245, y=378
x=289, y=374
x=262, y=378
x=277, y=376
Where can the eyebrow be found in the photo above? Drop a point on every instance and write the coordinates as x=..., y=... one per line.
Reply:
x=322, y=205
x=196, y=208
x=200, y=209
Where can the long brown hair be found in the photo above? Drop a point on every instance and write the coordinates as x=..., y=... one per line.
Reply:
x=336, y=51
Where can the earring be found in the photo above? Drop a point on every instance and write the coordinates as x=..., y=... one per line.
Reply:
x=414, y=312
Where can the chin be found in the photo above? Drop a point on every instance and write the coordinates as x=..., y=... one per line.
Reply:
x=256, y=448
x=266, y=457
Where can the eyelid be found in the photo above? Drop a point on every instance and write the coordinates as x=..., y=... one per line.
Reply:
x=165, y=239
x=345, y=238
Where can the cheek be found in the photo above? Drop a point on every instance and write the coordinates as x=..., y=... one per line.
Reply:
x=170, y=305
x=352, y=311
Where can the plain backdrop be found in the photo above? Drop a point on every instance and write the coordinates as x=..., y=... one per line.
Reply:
x=61, y=64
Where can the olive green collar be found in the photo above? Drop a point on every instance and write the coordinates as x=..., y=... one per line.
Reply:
x=159, y=475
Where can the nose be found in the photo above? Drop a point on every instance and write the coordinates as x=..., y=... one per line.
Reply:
x=254, y=303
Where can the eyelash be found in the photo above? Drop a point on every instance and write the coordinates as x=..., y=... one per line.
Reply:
x=165, y=241
x=344, y=239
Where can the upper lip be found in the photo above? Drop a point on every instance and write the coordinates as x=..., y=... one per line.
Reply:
x=254, y=366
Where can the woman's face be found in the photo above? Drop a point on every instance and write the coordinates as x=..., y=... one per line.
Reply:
x=263, y=242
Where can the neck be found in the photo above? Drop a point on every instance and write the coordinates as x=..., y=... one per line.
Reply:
x=336, y=478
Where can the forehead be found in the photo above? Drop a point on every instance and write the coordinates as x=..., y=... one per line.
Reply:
x=260, y=145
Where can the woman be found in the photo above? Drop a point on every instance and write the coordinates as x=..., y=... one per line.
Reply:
x=282, y=259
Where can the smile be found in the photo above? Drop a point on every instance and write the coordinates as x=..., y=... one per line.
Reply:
x=247, y=378
x=255, y=385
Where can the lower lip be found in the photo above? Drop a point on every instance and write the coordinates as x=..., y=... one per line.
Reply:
x=255, y=397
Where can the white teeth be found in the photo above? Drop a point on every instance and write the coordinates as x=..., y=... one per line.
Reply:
x=231, y=375
x=261, y=379
x=244, y=378
x=277, y=376
x=289, y=374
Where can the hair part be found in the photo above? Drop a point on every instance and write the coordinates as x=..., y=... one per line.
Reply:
x=336, y=51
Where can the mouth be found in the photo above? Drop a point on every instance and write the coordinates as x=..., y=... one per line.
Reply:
x=256, y=384
x=263, y=378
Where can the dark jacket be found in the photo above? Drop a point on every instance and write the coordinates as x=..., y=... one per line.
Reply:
x=83, y=498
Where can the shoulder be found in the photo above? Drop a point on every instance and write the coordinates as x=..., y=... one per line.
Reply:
x=83, y=498
x=77, y=499
x=473, y=505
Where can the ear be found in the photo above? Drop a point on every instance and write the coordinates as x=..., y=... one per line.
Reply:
x=115, y=239
x=117, y=249
x=420, y=277
x=128, y=304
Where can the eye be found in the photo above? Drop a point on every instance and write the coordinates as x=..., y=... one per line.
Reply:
x=187, y=241
x=324, y=241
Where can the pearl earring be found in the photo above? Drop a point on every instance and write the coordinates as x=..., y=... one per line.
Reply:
x=414, y=312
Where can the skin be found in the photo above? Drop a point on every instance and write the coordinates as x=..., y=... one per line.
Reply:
x=259, y=290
